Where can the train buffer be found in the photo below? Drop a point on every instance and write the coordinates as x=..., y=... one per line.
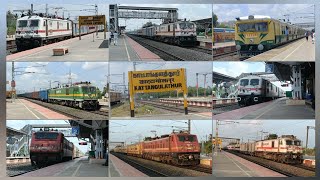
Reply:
x=60, y=51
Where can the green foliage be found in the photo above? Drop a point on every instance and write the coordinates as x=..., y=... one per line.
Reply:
x=208, y=147
x=309, y=151
x=11, y=23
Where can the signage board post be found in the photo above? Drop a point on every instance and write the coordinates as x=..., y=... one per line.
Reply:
x=93, y=21
x=154, y=81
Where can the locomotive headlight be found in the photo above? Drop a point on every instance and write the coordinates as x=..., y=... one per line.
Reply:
x=238, y=47
x=260, y=47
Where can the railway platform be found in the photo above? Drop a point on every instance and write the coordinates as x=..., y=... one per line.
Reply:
x=80, y=167
x=223, y=48
x=228, y=165
x=129, y=50
x=118, y=168
x=276, y=109
x=205, y=42
x=24, y=109
x=299, y=50
x=89, y=48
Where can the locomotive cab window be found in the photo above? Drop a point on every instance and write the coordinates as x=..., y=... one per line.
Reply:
x=46, y=135
x=254, y=82
x=244, y=82
x=22, y=23
x=253, y=27
x=34, y=23
x=186, y=138
x=297, y=143
x=289, y=142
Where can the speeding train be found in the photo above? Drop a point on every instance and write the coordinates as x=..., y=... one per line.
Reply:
x=82, y=95
x=255, y=34
x=254, y=89
x=36, y=30
x=181, y=33
x=285, y=149
x=48, y=147
x=179, y=148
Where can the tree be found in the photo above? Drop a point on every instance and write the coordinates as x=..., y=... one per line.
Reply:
x=148, y=24
x=11, y=23
x=215, y=20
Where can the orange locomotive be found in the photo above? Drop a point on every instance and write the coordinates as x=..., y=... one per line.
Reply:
x=177, y=148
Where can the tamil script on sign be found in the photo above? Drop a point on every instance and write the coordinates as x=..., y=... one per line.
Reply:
x=92, y=20
x=157, y=80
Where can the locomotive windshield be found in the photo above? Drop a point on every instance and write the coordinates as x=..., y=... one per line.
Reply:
x=46, y=135
x=253, y=27
x=186, y=138
x=90, y=89
x=297, y=143
x=34, y=23
x=186, y=25
x=22, y=23
x=254, y=82
x=244, y=82
x=289, y=142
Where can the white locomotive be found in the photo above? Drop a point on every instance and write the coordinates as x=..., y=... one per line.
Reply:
x=36, y=30
x=182, y=33
x=285, y=149
x=255, y=89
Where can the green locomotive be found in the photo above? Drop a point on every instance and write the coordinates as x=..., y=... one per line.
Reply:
x=82, y=95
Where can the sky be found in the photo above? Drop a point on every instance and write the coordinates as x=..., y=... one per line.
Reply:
x=250, y=129
x=130, y=131
x=19, y=124
x=44, y=72
x=188, y=11
x=191, y=67
x=234, y=69
x=296, y=12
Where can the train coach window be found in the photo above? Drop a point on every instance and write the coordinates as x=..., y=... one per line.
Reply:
x=44, y=23
x=254, y=82
x=244, y=82
x=22, y=23
x=34, y=23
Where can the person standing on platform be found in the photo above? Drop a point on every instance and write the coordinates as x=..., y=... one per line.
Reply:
x=307, y=35
x=115, y=38
x=313, y=37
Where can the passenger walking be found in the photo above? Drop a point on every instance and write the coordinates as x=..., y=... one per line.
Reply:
x=313, y=37
x=115, y=38
x=307, y=35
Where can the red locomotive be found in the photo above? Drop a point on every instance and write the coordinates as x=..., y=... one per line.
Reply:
x=49, y=147
x=177, y=148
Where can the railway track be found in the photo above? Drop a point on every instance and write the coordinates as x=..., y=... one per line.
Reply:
x=203, y=50
x=144, y=169
x=171, y=52
x=199, y=168
x=221, y=108
x=14, y=170
x=285, y=169
x=72, y=112
x=165, y=107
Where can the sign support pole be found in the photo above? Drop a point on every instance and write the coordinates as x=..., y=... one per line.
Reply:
x=79, y=30
x=131, y=95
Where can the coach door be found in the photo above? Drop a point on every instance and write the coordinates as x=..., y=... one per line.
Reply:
x=46, y=25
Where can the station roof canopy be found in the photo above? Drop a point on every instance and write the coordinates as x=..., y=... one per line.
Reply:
x=218, y=77
x=50, y=125
x=203, y=21
x=147, y=8
x=15, y=132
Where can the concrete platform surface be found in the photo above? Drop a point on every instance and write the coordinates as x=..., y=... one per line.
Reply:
x=23, y=109
x=86, y=49
x=276, y=109
x=229, y=165
x=79, y=167
x=300, y=50
x=129, y=50
x=224, y=44
x=118, y=168
x=171, y=116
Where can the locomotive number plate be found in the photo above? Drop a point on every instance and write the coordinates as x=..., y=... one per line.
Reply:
x=251, y=35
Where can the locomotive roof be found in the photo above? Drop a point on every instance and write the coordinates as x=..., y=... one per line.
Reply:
x=33, y=17
x=250, y=17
